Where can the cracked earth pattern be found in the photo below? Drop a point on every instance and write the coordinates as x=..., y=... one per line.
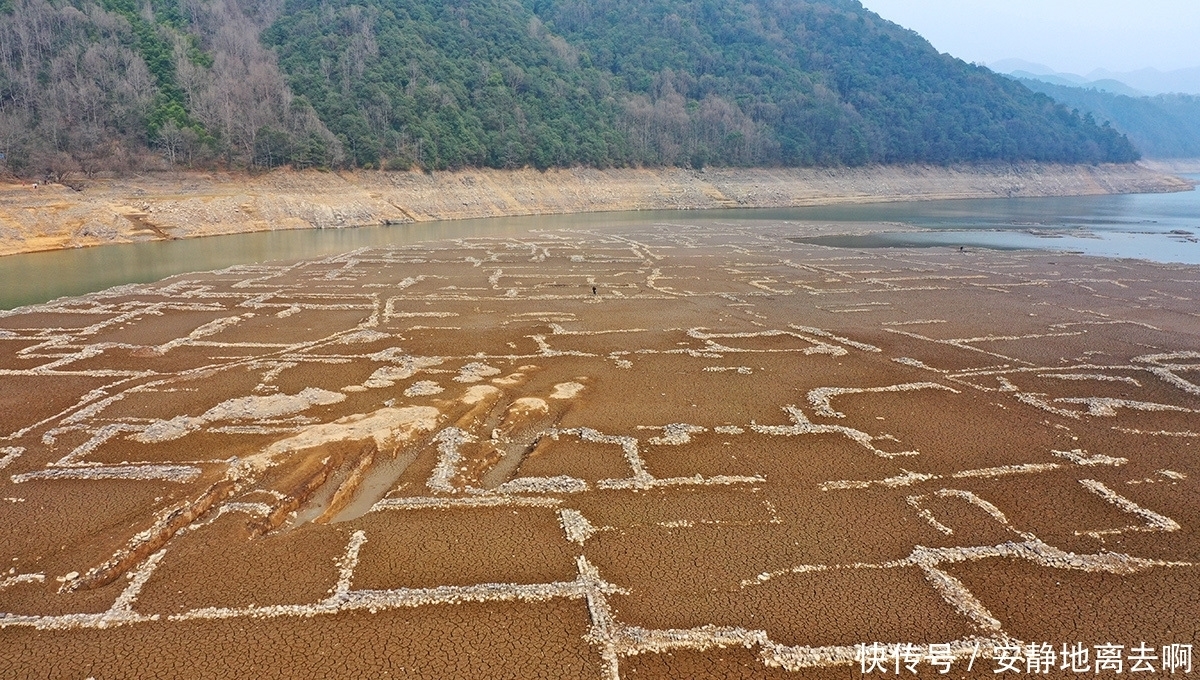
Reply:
x=661, y=451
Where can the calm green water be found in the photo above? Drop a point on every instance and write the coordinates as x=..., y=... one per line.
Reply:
x=1138, y=226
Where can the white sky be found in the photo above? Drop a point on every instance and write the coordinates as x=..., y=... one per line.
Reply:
x=1074, y=36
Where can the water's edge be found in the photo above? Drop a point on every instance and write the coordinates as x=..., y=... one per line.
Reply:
x=1161, y=227
x=185, y=205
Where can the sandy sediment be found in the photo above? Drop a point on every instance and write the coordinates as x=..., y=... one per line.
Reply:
x=457, y=460
x=1188, y=166
x=182, y=205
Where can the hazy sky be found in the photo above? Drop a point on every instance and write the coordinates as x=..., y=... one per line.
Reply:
x=1075, y=36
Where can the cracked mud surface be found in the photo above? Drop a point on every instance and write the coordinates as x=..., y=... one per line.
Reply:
x=740, y=457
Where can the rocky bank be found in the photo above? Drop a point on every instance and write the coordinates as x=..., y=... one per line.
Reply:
x=184, y=205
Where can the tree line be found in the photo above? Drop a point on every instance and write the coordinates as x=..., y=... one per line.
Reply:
x=113, y=86
x=89, y=86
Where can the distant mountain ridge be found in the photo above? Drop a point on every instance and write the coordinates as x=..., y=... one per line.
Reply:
x=107, y=85
x=1143, y=82
x=1107, y=85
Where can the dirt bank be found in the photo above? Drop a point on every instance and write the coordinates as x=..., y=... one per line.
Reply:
x=1173, y=165
x=182, y=205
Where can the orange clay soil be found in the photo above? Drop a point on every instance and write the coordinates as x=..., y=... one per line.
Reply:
x=740, y=457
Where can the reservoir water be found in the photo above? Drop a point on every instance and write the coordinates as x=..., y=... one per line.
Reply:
x=1157, y=227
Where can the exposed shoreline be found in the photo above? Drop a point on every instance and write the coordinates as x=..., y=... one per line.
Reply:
x=1172, y=166
x=184, y=205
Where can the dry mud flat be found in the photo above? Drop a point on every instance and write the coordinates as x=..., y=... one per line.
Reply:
x=739, y=457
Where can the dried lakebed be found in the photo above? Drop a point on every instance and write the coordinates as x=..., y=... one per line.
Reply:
x=739, y=456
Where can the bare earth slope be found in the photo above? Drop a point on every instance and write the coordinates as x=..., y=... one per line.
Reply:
x=186, y=205
x=686, y=450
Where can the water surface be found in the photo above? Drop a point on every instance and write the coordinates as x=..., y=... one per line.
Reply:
x=1158, y=227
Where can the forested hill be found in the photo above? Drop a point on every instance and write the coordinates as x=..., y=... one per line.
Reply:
x=93, y=85
x=1162, y=126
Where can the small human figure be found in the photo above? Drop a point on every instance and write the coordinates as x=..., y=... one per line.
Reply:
x=593, y=290
x=961, y=249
